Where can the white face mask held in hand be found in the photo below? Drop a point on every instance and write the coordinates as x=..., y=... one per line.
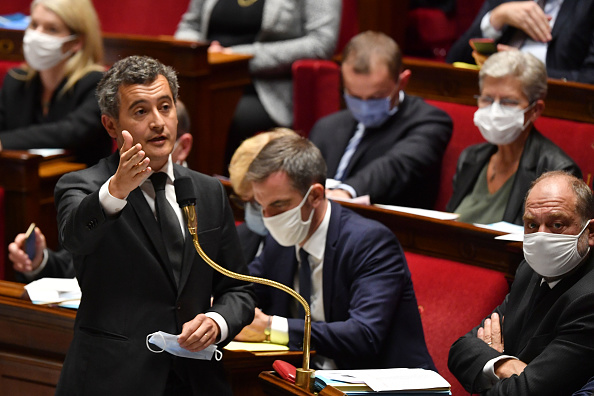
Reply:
x=287, y=228
x=168, y=343
x=551, y=255
x=499, y=126
x=43, y=51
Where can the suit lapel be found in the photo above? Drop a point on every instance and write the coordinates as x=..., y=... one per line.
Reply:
x=189, y=250
x=565, y=13
x=328, y=270
x=149, y=223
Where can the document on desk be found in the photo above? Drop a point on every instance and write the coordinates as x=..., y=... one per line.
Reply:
x=396, y=381
x=55, y=291
x=434, y=214
x=515, y=233
x=255, y=346
x=47, y=152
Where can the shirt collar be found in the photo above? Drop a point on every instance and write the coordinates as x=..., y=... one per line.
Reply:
x=316, y=244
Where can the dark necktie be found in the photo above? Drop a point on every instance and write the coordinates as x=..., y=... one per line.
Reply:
x=541, y=292
x=169, y=224
x=304, y=279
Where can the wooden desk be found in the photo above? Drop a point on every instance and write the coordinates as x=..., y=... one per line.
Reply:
x=34, y=340
x=442, y=81
x=28, y=181
x=210, y=85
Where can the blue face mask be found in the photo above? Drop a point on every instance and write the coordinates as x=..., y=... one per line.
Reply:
x=253, y=219
x=371, y=112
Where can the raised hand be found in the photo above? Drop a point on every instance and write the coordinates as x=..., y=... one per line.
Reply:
x=133, y=168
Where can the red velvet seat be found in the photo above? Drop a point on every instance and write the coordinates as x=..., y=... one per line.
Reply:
x=453, y=298
x=430, y=32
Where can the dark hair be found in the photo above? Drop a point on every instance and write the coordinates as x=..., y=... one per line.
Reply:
x=130, y=71
x=364, y=47
x=299, y=158
x=583, y=193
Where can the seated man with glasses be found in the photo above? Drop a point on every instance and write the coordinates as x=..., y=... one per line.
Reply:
x=492, y=178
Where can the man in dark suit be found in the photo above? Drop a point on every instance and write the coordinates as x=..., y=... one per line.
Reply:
x=110, y=218
x=540, y=340
x=386, y=144
x=352, y=270
x=561, y=34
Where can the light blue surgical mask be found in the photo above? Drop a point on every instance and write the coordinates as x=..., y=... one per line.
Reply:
x=253, y=218
x=168, y=343
x=370, y=112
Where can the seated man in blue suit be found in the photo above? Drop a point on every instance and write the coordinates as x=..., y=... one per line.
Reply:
x=352, y=270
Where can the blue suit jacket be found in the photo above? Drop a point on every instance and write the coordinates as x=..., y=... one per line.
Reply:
x=371, y=312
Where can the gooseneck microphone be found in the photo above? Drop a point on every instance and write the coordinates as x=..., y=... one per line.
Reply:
x=185, y=195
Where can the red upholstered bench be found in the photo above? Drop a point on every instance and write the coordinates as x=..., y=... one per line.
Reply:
x=453, y=298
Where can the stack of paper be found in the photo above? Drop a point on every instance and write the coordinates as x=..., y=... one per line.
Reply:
x=384, y=382
x=55, y=291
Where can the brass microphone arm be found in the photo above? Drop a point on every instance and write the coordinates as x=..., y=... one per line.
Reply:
x=304, y=376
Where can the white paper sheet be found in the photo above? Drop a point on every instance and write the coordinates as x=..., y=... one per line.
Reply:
x=63, y=292
x=434, y=214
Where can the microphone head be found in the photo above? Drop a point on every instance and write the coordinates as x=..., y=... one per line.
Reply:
x=184, y=191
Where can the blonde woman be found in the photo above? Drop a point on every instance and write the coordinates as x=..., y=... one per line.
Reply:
x=49, y=102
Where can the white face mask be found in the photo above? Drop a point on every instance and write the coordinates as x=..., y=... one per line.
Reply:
x=287, y=228
x=43, y=51
x=168, y=343
x=551, y=255
x=498, y=125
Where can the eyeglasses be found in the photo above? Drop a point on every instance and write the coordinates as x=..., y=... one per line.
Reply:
x=505, y=104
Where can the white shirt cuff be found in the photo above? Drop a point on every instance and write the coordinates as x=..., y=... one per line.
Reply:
x=489, y=369
x=348, y=189
x=217, y=317
x=110, y=204
x=488, y=30
x=32, y=274
x=279, y=330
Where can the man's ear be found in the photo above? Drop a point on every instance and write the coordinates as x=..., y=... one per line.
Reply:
x=110, y=125
x=183, y=148
x=317, y=193
x=404, y=77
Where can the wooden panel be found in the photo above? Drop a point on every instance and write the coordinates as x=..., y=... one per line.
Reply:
x=386, y=16
x=441, y=81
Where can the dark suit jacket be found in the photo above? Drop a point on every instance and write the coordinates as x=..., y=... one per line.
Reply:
x=250, y=242
x=128, y=288
x=570, y=53
x=398, y=163
x=555, y=339
x=539, y=156
x=59, y=265
x=371, y=312
x=73, y=121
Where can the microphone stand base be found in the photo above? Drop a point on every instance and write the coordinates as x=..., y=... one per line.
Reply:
x=304, y=379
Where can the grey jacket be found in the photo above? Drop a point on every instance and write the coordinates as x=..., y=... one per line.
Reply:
x=291, y=30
